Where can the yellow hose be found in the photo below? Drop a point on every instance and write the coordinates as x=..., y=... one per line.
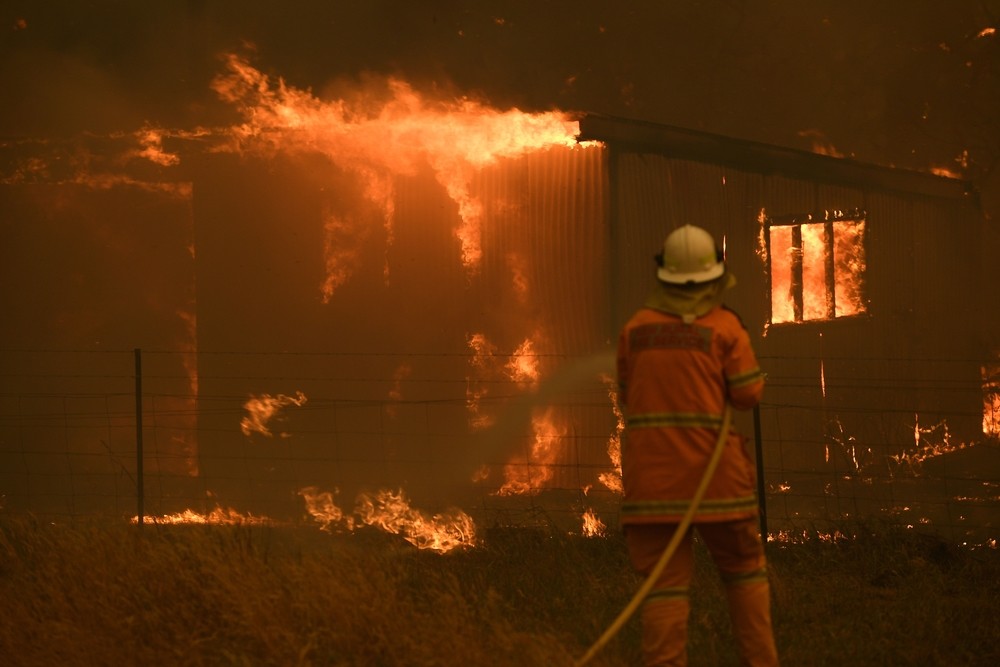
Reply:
x=668, y=553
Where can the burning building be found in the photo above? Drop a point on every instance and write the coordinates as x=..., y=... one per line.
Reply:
x=423, y=295
x=860, y=288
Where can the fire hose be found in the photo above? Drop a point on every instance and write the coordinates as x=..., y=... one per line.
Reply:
x=675, y=540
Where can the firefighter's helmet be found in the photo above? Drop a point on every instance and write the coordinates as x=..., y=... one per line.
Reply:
x=689, y=256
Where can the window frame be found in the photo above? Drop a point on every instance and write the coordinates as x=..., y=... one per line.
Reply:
x=796, y=282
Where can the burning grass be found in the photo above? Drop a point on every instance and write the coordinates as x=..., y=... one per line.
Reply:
x=88, y=594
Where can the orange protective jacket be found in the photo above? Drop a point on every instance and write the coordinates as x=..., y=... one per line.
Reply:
x=674, y=379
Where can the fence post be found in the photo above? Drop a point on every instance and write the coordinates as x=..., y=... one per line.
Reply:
x=759, y=449
x=138, y=435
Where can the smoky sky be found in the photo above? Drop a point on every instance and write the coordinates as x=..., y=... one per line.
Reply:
x=905, y=83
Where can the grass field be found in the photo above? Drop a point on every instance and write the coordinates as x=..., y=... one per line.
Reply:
x=88, y=594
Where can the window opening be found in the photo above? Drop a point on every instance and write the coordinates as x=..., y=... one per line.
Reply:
x=991, y=398
x=816, y=265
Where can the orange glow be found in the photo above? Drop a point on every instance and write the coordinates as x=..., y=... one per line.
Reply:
x=388, y=131
x=945, y=172
x=592, y=525
x=262, y=409
x=537, y=467
x=822, y=376
x=820, y=144
x=105, y=181
x=396, y=392
x=519, y=275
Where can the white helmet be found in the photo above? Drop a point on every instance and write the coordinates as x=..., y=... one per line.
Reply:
x=689, y=256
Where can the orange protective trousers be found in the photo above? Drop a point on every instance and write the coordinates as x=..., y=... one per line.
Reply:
x=738, y=553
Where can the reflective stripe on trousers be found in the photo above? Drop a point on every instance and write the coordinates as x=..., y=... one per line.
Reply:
x=738, y=554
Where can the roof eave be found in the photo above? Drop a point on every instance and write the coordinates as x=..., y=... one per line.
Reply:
x=764, y=158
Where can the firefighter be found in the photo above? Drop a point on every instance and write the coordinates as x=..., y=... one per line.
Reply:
x=680, y=358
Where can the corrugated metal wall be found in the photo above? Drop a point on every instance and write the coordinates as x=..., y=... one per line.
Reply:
x=386, y=361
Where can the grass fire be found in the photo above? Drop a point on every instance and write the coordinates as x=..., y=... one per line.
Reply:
x=95, y=594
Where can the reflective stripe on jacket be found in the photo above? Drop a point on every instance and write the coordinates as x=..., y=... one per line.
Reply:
x=674, y=380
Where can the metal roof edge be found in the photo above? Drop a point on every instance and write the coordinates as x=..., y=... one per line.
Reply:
x=764, y=158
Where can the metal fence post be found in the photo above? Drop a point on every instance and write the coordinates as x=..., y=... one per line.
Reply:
x=759, y=449
x=138, y=435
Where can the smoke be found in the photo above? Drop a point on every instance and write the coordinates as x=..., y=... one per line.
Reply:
x=515, y=419
x=68, y=67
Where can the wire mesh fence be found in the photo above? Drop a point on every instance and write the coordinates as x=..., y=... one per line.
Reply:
x=321, y=438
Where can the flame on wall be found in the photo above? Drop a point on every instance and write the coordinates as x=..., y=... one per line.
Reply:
x=522, y=367
x=529, y=474
x=387, y=133
x=489, y=367
x=261, y=410
x=477, y=384
x=151, y=147
x=991, y=399
x=613, y=479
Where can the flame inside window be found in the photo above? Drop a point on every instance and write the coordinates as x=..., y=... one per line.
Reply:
x=816, y=265
x=991, y=398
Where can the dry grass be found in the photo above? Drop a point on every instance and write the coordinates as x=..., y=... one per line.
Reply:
x=88, y=594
